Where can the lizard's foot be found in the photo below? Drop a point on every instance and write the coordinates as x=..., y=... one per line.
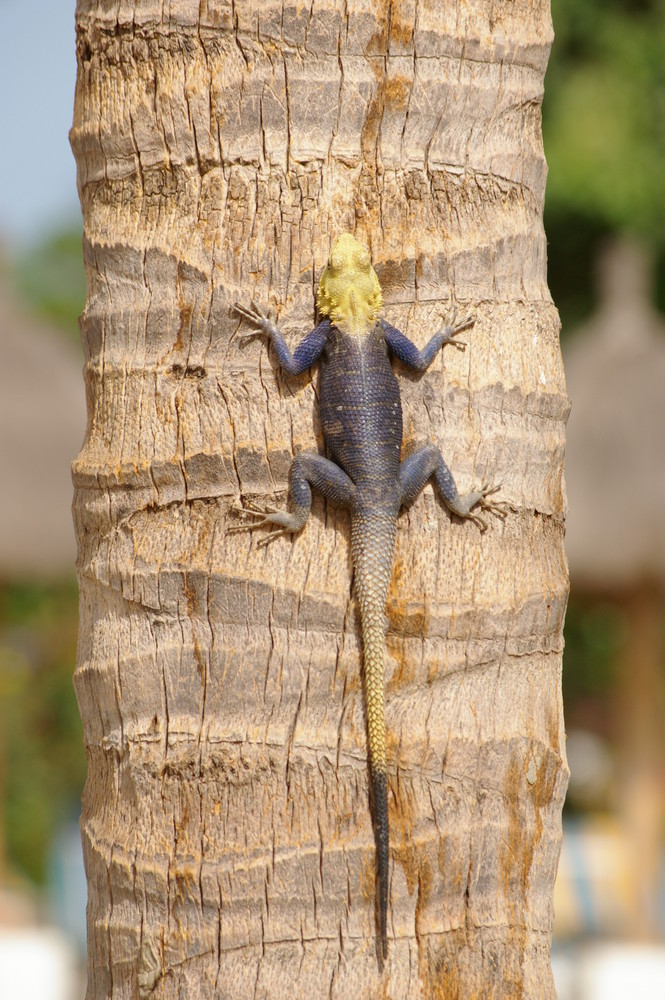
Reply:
x=453, y=327
x=254, y=510
x=479, y=497
x=262, y=320
x=282, y=521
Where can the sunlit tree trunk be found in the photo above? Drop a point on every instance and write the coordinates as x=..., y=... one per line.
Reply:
x=226, y=825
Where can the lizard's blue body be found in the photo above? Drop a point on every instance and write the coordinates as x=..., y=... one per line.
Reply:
x=361, y=418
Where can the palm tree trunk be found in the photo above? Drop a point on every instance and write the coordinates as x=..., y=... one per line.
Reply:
x=226, y=823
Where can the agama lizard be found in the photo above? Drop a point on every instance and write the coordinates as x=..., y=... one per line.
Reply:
x=361, y=417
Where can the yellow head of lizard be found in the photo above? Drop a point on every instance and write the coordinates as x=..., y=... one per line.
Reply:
x=349, y=290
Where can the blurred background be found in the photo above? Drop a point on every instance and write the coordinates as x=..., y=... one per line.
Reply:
x=604, y=129
x=42, y=422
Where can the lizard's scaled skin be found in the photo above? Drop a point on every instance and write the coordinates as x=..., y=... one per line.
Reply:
x=361, y=417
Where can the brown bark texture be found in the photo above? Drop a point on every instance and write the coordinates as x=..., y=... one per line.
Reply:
x=221, y=147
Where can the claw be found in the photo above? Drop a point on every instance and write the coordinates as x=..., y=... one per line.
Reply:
x=257, y=317
x=479, y=521
x=250, y=508
x=249, y=334
x=464, y=324
x=499, y=509
x=261, y=544
x=235, y=529
x=452, y=328
x=264, y=520
x=244, y=311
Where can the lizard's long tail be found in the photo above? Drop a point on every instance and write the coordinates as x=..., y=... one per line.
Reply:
x=373, y=544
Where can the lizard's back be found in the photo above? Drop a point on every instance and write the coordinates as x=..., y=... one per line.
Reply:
x=361, y=414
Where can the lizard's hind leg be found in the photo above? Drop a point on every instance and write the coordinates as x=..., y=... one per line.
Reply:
x=308, y=469
x=418, y=468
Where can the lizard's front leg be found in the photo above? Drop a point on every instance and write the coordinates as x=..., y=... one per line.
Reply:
x=426, y=462
x=410, y=355
x=305, y=354
x=308, y=470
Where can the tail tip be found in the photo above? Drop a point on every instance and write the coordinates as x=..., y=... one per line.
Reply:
x=383, y=911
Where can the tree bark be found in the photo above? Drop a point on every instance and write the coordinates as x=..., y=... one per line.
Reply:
x=226, y=824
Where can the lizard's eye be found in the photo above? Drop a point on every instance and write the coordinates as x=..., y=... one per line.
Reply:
x=336, y=261
x=363, y=260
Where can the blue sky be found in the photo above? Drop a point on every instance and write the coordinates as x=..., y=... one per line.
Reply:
x=37, y=76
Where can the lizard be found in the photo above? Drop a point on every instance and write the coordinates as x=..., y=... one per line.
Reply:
x=361, y=417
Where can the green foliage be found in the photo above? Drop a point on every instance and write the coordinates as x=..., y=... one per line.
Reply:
x=604, y=113
x=604, y=134
x=594, y=633
x=572, y=244
x=51, y=278
x=42, y=761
